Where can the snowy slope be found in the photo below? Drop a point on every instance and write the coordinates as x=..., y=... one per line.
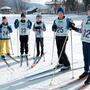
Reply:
x=16, y=80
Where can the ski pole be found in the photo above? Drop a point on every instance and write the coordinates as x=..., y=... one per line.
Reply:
x=72, y=55
x=11, y=46
x=17, y=43
x=34, y=47
x=53, y=48
x=58, y=60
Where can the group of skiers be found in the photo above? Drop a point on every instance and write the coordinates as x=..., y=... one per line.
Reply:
x=61, y=27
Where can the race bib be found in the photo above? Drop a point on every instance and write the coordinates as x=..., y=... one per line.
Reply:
x=23, y=29
x=5, y=32
x=61, y=28
x=39, y=32
x=86, y=33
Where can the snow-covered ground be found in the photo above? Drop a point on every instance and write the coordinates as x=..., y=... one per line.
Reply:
x=16, y=80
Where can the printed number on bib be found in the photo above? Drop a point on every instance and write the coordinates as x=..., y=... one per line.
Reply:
x=5, y=33
x=86, y=33
x=60, y=30
x=38, y=32
x=23, y=30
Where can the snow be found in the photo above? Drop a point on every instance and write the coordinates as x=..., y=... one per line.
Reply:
x=16, y=80
x=6, y=7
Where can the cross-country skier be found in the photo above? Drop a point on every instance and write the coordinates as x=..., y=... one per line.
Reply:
x=61, y=27
x=24, y=26
x=39, y=28
x=5, y=30
x=85, y=31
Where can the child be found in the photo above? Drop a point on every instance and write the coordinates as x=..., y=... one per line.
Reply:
x=5, y=31
x=39, y=28
x=85, y=31
x=23, y=25
x=61, y=27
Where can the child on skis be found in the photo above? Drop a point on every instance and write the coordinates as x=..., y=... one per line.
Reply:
x=5, y=30
x=39, y=28
x=24, y=26
x=85, y=31
x=61, y=27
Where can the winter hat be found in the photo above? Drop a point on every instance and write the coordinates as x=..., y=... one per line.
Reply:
x=23, y=15
x=39, y=16
x=60, y=10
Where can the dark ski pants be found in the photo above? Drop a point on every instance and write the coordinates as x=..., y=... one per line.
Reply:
x=39, y=42
x=60, y=42
x=86, y=54
x=24, y=44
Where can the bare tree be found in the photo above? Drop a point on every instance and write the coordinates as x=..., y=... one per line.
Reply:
x=2, y=3
x=86, y=3
x=71, y=5
x=20, y=5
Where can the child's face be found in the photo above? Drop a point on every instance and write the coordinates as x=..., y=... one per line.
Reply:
x=60, y=15
x=88, y=12
x=5, y=21
x=38, y=19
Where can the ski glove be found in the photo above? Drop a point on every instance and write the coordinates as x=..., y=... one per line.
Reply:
x=54, y=27
x=9, y=28
x=38, y=27
x=16, y=23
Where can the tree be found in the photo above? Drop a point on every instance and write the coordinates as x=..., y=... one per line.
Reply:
x=20, y=5
x=71, y=5
x=2, y=3
x=86, y=3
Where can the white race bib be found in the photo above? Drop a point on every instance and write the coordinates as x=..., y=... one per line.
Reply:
x=5, y=33
x=86, y=33
x=39, y=33
x=61, y=28
x=23, y=30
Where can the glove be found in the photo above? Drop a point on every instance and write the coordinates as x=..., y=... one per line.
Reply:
x=54, y=28
x=38, y=27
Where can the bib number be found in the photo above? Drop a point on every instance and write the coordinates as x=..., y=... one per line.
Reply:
x=38, y=32
x=60, y=30
x=5, y=33
x=86, y=33
x=23, y=30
